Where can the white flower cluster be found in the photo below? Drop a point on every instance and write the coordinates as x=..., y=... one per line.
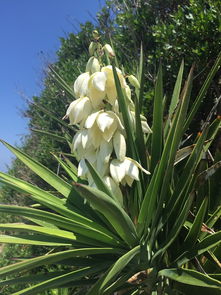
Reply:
x=101, y=135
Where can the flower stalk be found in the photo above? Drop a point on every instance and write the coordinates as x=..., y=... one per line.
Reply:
x=101, y=138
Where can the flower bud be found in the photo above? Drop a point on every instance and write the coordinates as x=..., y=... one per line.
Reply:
x=108, y=49
x=92, y=48
x=96, y=35
x=133, y=81
x=93, y=65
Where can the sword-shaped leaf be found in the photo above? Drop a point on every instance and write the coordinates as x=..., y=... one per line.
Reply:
x=190, y=277
x=61, y=280
x=52, y=202
x=31, y=263
x=119, y=265
x=115, y=215
x=46, y=174
x=203, y=246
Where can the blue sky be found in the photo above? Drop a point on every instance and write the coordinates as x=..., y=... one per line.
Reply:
x=28, y=28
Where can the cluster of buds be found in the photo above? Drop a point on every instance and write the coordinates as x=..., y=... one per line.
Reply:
x=101, y=135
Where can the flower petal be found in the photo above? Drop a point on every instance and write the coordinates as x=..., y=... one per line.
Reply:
x=99, y=81
x=102, y=168
x=81, y=84
x=95, y=135
x=85, y=139
x=82, y=168
x=91, y=155
x=145, y=127
x=76, y=141
x=104, y=121
x=131, y=169
x=119, y=145
x=138, y=165
x=91, y=119
x=128, y=180
x=105, y=151
x=117, y=170
x=79, y=110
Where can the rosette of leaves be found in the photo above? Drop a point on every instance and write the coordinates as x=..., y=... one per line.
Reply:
x=163, y=238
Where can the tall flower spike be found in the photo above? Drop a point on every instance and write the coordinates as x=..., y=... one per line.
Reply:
x=101, y=136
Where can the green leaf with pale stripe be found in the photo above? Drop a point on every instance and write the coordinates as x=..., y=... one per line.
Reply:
x=101, y=185
x=203, y=246
x=119, y=265
x=51, y=202
x=131, y=148
x=116, y=216
x=34, y=240
x=190, y=277
x=60, y=81
x=47, y=175
x=60, y=221
x=166, y=162
x=174, y=231
x=54, y=232
x=31, y=279
x=157, y=128
x=56, y=257
x=66, y=168
x=195, y=229
x=61, y=280
x=175, y=97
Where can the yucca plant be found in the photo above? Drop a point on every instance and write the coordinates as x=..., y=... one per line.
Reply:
x=134, y=217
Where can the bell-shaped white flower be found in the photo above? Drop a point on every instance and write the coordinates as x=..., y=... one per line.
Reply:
x=82, y=168
x=81, y=139
x=145, y=127
x=93, y=130
x=95, y=135
x=117, y=170
x=96, y=88
x=119, y=145
x=93, y=65
x=107, y=123
x=79, y=110
x=108, y=49
x=125, y=171
x=81, y=144
x=111, y=90
x=92, y=48
x=127, y=93
x=81, y=85
x=105, y=151
x=102, y=125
